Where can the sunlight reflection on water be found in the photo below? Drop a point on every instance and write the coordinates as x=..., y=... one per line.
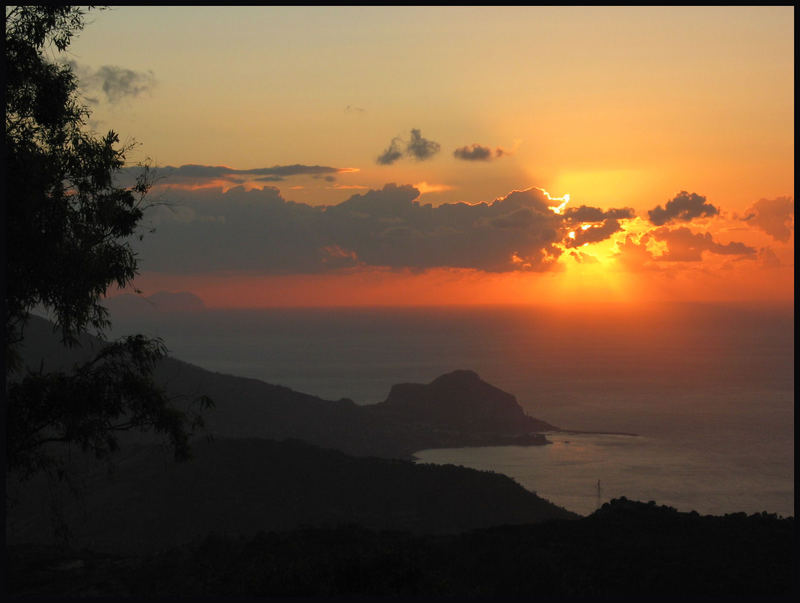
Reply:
x=709, y=389
x=640, y=468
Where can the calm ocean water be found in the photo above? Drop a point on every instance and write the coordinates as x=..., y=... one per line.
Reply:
x=709, y=390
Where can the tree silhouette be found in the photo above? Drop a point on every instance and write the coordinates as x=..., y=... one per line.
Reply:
x=68, y=239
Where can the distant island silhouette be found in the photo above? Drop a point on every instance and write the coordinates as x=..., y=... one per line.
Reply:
x=455, y=410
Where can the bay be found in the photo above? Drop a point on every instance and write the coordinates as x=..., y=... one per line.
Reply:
x=708, y=389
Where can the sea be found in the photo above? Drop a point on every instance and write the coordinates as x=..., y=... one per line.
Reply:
x=688, y=405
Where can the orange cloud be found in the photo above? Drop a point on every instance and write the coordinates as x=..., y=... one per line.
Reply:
x=773, y=216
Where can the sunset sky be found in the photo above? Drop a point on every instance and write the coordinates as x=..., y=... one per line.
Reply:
x=394, y=155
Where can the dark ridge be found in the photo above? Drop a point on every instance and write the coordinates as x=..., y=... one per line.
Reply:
x=237, y=487
x=626, y=550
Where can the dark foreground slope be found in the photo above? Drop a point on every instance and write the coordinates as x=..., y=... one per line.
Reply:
x=626, y=549
x=238, y=487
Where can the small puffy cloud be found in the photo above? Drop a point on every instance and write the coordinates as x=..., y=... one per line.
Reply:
x=421, y=148
x=774, y=216
x=417, y=147
x=683, y=208
x=474, y=153
x=588, y=224
x=683, y=245
x=116, y=83
x=477, y=152
x=392, y=153
x=594, y=234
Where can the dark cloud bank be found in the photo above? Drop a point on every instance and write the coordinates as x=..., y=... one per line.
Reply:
x=257, y=230
x=206, y=230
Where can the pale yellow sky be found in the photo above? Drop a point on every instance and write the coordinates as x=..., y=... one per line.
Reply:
x=614, y=105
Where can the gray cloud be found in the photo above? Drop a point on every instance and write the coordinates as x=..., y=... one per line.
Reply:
x=417, y=147
x=683, y=245
x=595, y=234
x=392, y=153
x=773, y=216
x=258, y=231
x=195, y=175
x=477, y=152
x=474, y=153
x=116, y=83
x=585, y=213
x=683, y=208
x=421, y=148
x=603, y=223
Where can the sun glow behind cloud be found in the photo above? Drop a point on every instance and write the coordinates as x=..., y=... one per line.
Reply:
x=556, y=209
x=647, y=124
x=385, y=248
x=424, y=187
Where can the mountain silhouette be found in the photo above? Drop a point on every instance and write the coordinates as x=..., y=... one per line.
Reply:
x=456, y=409
x=237, y=487
x=459, y=401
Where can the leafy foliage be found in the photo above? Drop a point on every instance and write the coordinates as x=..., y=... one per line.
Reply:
x=68, y=239
x=67, y=222
x=112, y=392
